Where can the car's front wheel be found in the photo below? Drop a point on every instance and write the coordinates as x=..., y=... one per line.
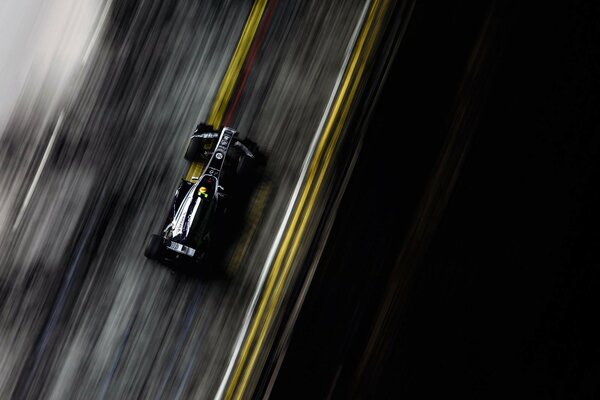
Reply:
x=198, y=149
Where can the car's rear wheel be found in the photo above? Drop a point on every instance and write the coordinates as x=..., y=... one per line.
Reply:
x=153, y=249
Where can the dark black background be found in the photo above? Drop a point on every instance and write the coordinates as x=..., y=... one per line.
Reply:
x=504, y=301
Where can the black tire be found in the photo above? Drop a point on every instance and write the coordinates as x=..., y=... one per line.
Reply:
x=195, y=151
x=246, y=166
x=253, y=147
x=259, y=160
x=154, y=248
x=203, y=128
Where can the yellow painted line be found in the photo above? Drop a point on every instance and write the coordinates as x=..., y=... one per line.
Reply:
x=318, y=168
x=235, y=66
x=231, y=77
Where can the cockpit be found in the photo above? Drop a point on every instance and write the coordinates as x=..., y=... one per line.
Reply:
x=206, y=187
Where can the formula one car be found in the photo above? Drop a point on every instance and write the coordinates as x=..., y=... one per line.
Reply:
x=223, y=167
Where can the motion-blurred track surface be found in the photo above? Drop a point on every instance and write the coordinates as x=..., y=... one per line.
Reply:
x=88, y=168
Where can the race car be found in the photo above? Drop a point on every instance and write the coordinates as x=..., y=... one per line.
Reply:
x=222, y=170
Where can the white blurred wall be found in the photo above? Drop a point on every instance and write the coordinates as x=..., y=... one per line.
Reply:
x=42, y=42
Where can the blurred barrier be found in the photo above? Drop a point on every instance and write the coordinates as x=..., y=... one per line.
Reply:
x=238, y=381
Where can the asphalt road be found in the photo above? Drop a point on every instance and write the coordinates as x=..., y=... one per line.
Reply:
x=89, y=158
